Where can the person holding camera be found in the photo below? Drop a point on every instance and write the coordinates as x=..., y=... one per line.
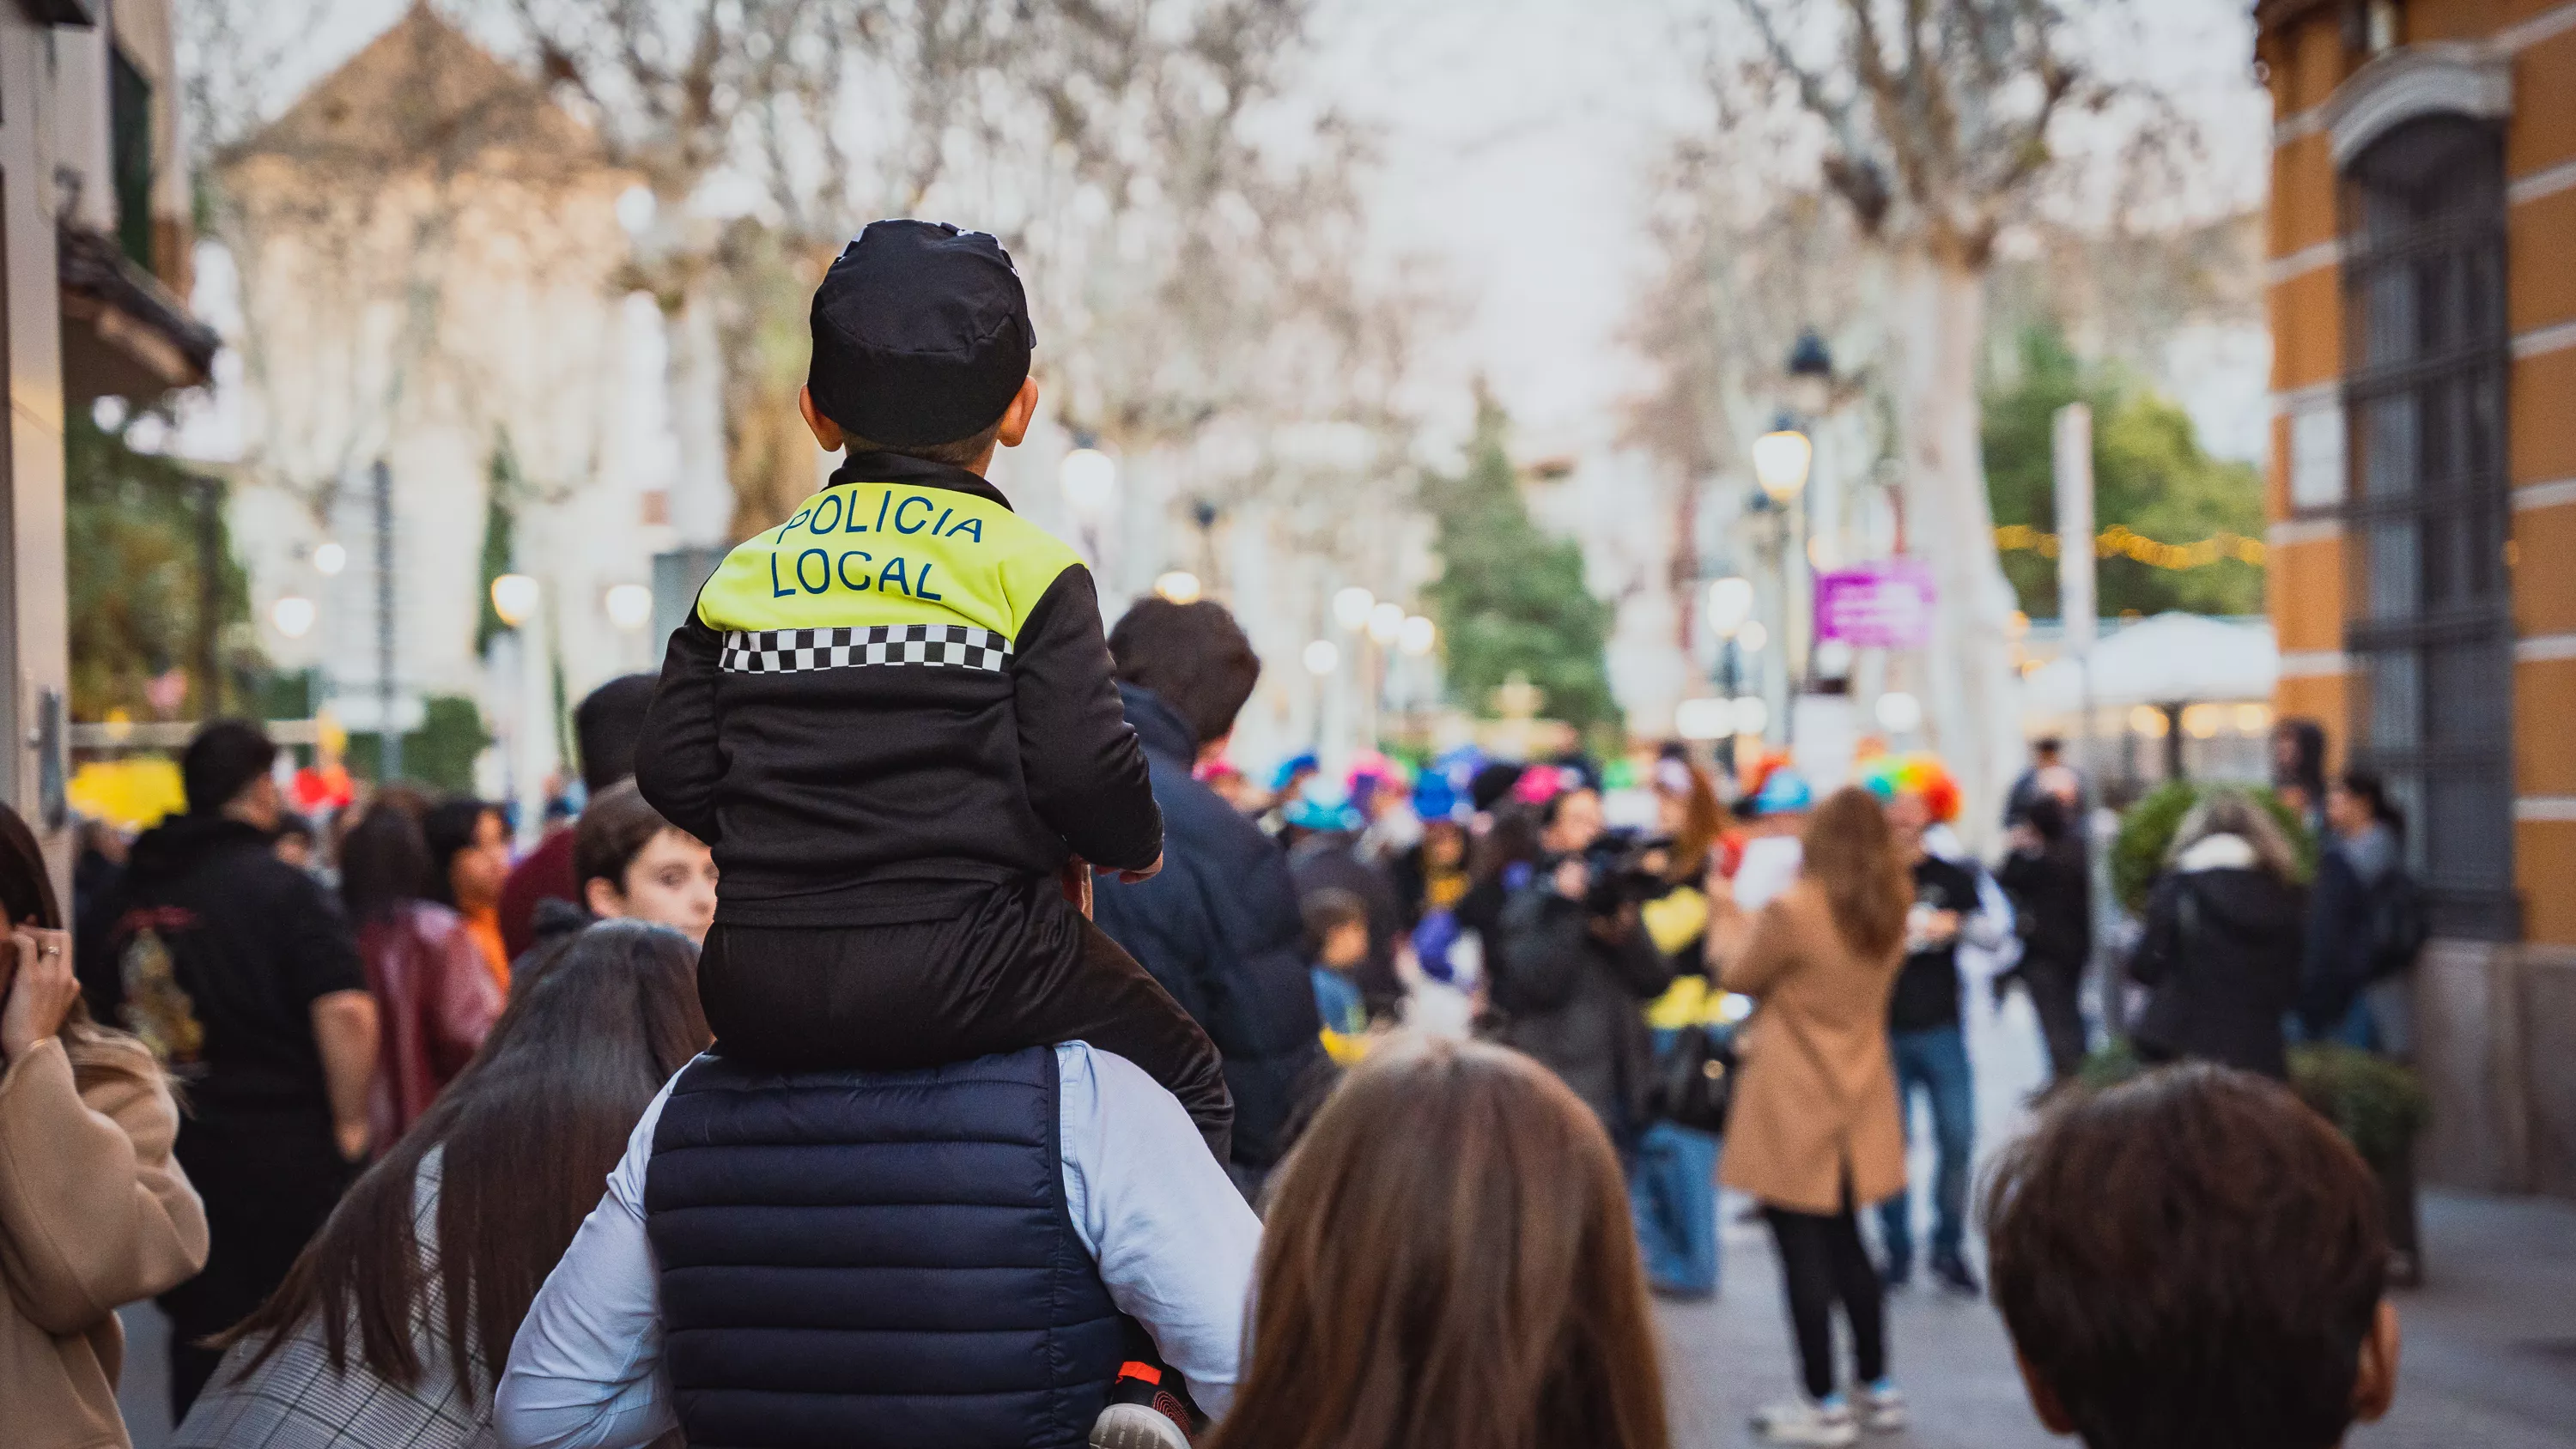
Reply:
x=1572, y=970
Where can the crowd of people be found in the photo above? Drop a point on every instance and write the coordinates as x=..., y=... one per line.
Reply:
x=920, y=1035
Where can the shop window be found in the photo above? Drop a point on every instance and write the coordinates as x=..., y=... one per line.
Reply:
x=2426, y=510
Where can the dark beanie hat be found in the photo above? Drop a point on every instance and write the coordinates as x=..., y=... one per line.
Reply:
x=921, y=334
x=223, y=759
x=1487, y=787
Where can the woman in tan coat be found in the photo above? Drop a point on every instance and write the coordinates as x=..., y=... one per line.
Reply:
x=93, y=1211
x=1814, y=1131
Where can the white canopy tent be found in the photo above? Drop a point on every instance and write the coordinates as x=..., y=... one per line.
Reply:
x=2169, y=659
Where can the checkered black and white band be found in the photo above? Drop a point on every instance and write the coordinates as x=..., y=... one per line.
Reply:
x=787, y=651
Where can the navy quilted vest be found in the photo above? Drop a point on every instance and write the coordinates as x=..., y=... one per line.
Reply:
x=856, y=1260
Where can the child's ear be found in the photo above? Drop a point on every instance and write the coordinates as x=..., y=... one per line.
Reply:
x=2374, y=1387
x=827, y=433
x=1017, y=417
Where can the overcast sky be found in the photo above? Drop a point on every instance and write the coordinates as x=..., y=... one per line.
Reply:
x=1519, y=138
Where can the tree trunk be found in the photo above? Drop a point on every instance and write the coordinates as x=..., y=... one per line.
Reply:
x=1972, y=703
x=702, y=490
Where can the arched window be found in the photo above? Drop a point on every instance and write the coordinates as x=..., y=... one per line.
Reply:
x=2428, y=626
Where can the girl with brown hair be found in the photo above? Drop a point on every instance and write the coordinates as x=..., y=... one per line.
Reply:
x=1448, y=1264
x=94, y=1211
x=1814, y=1130
x=392, y=1327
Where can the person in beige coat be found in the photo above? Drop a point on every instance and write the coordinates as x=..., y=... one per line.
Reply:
x=94, y=1213
x=1814, y=1131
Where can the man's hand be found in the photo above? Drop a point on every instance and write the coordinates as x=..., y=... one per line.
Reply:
x=1941, y=927
x=1573, y=878
x=1132, y=877
x=40, y=989
x=344, y=1030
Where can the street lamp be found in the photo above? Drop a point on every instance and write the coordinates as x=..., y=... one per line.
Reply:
x=1179, y=586
x=329, y=559
x=1089, y=477
x=1730, y=605
x=1752, y=637
x=1417, y=636
x=1704, y=719
x=630, y=607
x=293, y=615
x=1811, y=373
x=1323, y=657
x=1386, y=623
x=514, y=598
x=1781, y=458
x=1899, y=713
x=1351, y=607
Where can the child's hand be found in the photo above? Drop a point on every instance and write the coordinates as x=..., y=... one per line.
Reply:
x=1131, y=877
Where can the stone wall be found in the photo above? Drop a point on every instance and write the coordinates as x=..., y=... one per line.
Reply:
x=2495, y=1041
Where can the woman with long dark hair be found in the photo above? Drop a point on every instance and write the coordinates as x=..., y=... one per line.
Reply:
x=435, y=1000
x=103, y=1215
x=392, y=1327
x=1814, y=1133
x=469, y=862
x=1448, y=1264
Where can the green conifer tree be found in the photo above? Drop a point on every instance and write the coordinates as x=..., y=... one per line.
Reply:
x=1510, y=599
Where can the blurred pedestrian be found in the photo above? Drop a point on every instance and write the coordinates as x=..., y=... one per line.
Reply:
x=435, y=997
x=1219, y=928
x=244, y=978
x=2047, y=755
x=94, y=1211
x=1334, y=859
x=1337, y=943
x=634, y=865
x=2224, y=941
x=1814, y=1133
x=1386, y=1318
x=391, y=1329
x=1672, y=1183
x=605, y=726
x=2194, y=1258
x=2299, y=769
x=2366, y=922
x=2051, y=886
x=1923, y=1024
x=1572, y=968
x=469, y=862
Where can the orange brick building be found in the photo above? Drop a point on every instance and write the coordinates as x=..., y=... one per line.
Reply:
x=2423, y=503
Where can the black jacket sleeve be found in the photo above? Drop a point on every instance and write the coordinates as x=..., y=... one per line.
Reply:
x=678, y=763
x=1085, y=770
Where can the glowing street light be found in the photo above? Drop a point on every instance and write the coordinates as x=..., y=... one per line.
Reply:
x=1704, y=719
x=1899, y=713
x=1752, y=637
x=1089, y=477
x=1180, y=586
x=1781, y=458
x=1351, y=607
x=630, y=606
x=329, y=559
x=1730, y=604
x=1417, y=636
x=1752, y=714
x=1323, y=657
x=514, y=598
x=293, y=615
x=1386, y=622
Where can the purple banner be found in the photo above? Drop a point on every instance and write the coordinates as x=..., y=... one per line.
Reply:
x=1881, y=605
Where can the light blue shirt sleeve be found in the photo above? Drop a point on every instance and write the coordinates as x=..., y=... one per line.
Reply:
x=585, y=1371
x=1174, y=1240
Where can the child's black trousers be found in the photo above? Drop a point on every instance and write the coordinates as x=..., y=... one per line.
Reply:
x=1018, y=968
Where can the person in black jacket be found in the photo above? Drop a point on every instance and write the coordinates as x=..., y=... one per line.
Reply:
x=2051, y=887
x=244, y=978
x=1572, y=970
x=2223, y=941
x=1220, y=927
x=891, y=718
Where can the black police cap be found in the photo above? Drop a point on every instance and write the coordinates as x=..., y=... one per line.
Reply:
x=921, y=334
